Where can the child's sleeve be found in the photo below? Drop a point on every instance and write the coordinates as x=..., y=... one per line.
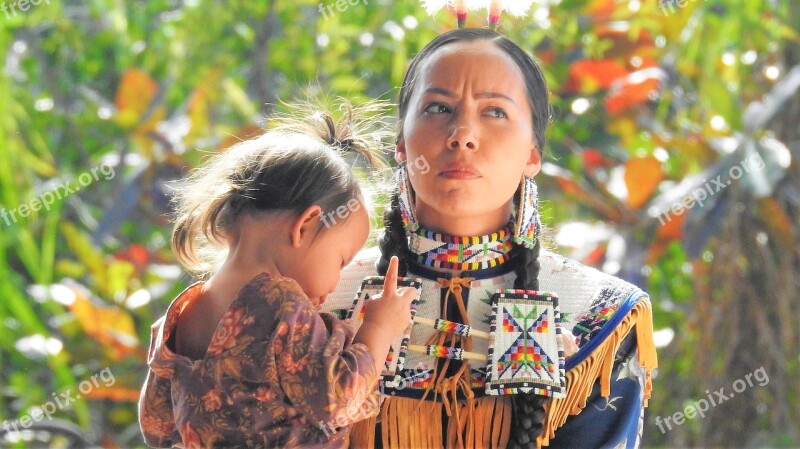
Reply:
x=156, y=420
x=327, y=377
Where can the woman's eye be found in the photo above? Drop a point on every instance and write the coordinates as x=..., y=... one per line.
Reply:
x=497, y=112
x=436, y=108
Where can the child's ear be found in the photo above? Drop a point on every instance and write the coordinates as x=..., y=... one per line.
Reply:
x=400, y=151
x=305, y=226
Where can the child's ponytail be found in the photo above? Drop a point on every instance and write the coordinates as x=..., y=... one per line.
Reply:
x=299, y=162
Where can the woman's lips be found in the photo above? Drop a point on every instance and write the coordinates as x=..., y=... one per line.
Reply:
x=459, y=171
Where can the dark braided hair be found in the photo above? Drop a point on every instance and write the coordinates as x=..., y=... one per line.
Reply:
x=393, y=241
x=528, y=409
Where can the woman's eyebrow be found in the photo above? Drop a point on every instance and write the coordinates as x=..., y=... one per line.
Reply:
x=494, y=95
x=446, y=93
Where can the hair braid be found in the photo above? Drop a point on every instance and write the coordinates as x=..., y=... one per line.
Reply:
x=393, y=241
x=528, y=409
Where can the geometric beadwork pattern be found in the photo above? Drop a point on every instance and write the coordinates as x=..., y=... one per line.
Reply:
x=525, y=353
x=461, y=253
x=405, y=197
x=527, y=223
x=593, y=320
x=395, y=359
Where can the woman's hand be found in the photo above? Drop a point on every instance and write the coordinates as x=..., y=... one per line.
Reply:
x=568, y=343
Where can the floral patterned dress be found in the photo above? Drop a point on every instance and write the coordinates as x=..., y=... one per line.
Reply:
x=277, y=373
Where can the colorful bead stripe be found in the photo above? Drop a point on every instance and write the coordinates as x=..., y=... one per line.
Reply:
x=499, y=236
x=451, y=327
x=445, y=352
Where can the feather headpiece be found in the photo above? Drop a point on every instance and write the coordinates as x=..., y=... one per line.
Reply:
x=496, y=7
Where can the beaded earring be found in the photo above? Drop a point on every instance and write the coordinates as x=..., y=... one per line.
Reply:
x=405, y=196
x=526, y=221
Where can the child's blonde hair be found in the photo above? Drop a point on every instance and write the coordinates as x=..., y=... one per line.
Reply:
x=296, y=164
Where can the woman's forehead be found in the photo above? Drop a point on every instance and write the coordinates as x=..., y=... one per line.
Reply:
x=479, y=61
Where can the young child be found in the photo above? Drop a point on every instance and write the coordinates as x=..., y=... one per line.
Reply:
x=245, y=359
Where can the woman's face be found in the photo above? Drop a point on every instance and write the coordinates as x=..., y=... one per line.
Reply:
x=468, y=119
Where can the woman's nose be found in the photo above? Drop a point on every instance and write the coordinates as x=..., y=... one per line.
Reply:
x=462, y=137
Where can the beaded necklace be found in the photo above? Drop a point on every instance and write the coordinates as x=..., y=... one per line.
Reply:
x=436, y=250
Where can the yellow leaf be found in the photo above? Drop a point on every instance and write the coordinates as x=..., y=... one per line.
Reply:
x=626, y=128
x=82, y=248
x=198, y=114
x=119, y=273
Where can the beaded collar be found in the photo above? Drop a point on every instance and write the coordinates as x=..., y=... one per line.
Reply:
x=436, y=250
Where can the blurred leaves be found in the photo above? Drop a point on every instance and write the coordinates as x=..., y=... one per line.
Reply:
x=650, y=105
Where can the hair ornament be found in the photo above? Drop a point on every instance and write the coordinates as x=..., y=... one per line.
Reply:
x=516, y=8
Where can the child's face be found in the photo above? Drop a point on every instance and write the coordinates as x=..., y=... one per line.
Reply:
x=318, y=263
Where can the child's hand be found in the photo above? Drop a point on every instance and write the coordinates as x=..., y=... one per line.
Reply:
x=386, y=317
x=391, y=311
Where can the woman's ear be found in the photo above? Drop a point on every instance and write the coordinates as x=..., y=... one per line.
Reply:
x=534, y=164
x=400, y=151
x=305, y=226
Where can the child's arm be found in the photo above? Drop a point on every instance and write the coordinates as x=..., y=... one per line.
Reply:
x=156, y=420
x=325, y=374
x=386, y=318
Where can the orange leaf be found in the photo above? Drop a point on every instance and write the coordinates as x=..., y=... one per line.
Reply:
x=671, y=230
x=116, y=394
x=631, y=93
x=624, y=43
x=111, y=326
x=601, y=10
x=595, y=256
x=778, y=223
x=593, y=159
x=642, y=176
x=135, y=93
x=589, y=75
x=246, y=133
x=136, y=254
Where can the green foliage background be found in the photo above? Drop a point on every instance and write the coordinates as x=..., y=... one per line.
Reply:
x=649, y=103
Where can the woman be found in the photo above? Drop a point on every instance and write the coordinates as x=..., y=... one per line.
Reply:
x=464, y=220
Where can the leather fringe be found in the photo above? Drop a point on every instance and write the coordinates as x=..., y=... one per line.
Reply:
x=599, y=364
x=407, y=423
x=363, y=433
x=410, y=423
x=487, y=424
